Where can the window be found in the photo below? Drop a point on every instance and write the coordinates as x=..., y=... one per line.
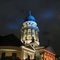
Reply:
x=14, y=56
x=33, y=31
x=3, y=56
x=28, y=57
x=29, y=23
x=29, y=31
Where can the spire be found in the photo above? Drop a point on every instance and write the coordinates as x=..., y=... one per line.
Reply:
x=30, y=17
x=29, y=13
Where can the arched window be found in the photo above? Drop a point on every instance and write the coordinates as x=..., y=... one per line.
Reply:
x=29, y=31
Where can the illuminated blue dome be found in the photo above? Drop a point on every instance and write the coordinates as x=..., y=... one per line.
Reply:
x=30, y=17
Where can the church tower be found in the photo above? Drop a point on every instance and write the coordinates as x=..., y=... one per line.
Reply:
x=29, y=31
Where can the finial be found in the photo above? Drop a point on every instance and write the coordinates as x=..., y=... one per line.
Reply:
x=30, y=13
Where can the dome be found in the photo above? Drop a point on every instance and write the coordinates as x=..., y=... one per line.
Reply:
x=30, y=17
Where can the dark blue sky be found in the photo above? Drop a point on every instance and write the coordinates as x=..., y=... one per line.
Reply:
x=46, y=12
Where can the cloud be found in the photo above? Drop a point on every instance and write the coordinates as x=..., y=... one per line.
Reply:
x=47, y=14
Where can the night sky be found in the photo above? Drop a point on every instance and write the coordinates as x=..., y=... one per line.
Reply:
x=46, y=12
